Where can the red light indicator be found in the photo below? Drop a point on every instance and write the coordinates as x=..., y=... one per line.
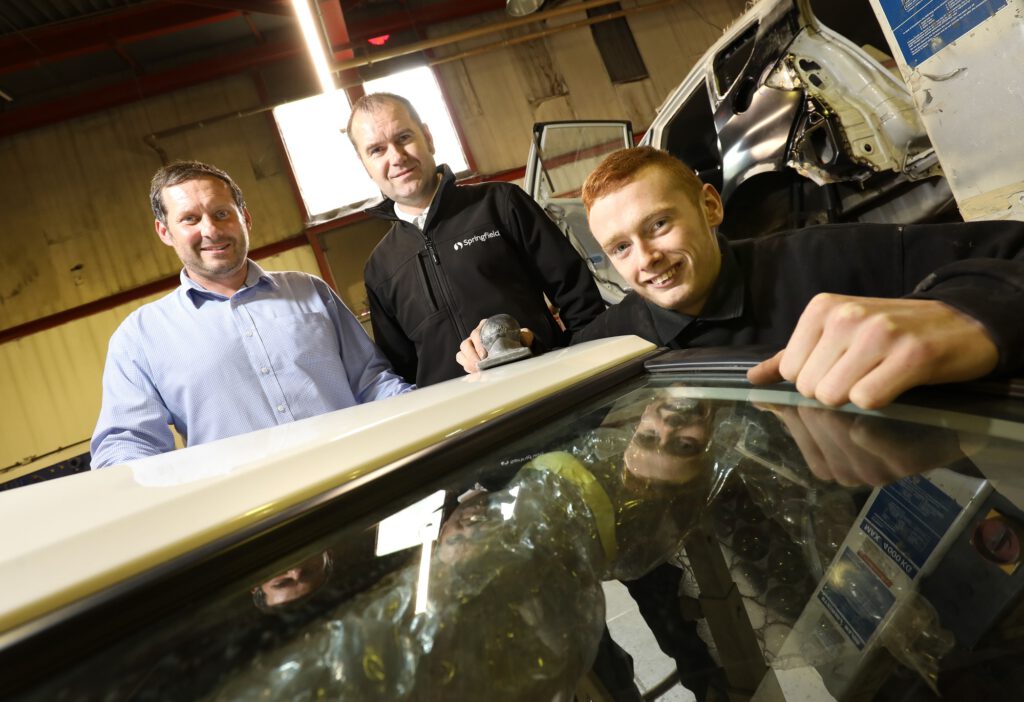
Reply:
x=379, y=41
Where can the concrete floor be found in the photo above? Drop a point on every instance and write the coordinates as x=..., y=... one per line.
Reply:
x=628, y=629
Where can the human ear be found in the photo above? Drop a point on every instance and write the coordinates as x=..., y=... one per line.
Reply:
x=711, y=203
x=429, y=137
x=161, y=231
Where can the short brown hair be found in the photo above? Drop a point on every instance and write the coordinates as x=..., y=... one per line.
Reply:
x=181, y=171
x=374, y=102
x=621, y=167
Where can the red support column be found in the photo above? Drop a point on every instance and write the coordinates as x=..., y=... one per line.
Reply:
x=338, y=36
x=311, y=238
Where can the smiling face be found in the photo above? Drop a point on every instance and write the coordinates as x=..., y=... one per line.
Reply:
x=659, y=239
x=208, y=231
x=398, y=154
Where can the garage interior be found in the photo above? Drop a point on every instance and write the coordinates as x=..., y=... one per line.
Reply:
x=96, y=95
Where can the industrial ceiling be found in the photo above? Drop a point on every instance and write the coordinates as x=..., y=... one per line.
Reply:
x=61, y=59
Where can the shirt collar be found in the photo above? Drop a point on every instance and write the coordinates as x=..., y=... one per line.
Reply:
x=197, y=293
x=386, y=208
x=418, y=220
x=725, y=302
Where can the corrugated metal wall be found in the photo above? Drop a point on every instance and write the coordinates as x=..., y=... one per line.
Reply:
x=75, y=201
x=77, y=227
x=52, y=380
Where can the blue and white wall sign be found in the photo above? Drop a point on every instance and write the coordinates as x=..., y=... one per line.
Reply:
x=922, y=28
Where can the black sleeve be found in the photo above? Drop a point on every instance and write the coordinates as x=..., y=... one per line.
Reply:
x=978, y=269
x=629, y=317
x=564, y=275
x=388, y=335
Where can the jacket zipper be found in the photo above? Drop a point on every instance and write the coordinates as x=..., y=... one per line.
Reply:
x=432, y=250
x=443, y=288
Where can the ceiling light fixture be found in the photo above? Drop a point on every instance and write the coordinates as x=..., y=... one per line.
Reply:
x=521, y=8
x=314, y=42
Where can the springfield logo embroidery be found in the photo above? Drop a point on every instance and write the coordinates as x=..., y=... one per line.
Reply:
x=475, y=239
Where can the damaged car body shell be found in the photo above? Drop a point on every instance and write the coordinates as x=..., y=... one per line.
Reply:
x=792, y=121
x=782, y=94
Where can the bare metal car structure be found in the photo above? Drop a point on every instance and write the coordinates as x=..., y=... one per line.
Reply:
x=795, y=123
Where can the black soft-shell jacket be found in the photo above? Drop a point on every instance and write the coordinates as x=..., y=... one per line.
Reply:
x=765, y=283
x=485, y=249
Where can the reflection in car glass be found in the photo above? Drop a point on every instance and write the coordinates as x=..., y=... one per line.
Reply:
x=809, y=511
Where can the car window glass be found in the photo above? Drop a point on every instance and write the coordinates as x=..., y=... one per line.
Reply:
x=497, y=587
x=568, y=153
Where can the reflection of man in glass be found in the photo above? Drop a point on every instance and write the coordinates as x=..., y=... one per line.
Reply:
x=295, y=584
x=515, y=609
x=458, y=532
x=670, y=441
x=655, y=458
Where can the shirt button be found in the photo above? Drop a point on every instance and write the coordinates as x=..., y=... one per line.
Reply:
x=280, y=408
x=249, y=333
x=264, y=370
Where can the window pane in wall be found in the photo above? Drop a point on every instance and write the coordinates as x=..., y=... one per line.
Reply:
x=419, y=86
x=331, y=178
x=618, y=49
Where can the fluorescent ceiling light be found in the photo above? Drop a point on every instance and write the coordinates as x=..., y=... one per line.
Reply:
x=314, y=42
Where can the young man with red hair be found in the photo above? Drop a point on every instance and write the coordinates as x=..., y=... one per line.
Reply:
x=863, y=311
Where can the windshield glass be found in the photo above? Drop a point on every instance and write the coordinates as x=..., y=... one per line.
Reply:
x=756, y=534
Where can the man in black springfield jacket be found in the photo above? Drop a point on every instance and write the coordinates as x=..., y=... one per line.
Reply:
x=864, y=311
x=456, y=254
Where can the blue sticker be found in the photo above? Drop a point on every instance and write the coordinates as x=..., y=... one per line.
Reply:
x=907, y=520
x=855, y=597
x=924, y=27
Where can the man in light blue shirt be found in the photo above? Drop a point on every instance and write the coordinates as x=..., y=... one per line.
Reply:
x=234, y=348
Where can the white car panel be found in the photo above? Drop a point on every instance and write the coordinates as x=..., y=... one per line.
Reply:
x=66, y=539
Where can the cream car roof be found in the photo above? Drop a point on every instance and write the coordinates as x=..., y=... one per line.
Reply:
x=69, y=538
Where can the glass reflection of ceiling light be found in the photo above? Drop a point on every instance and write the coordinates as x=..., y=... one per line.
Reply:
x=423, y=579
x=521, y=8
x=314, y=42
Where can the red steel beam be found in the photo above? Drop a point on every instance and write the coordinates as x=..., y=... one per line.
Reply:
x=67, y=40
x=281, y=8
x=21, y=119
x=372, y=25
x=107, y=303
x=310, y=234
x=335, y=25
x=337, y=35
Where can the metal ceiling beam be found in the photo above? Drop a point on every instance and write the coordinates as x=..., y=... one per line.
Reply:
x=67, y=40
x=98, y=33
x=280, y=8
x=334, y=24
x=491, y=28
x=365, y=25
x=65, y=108
x=162, y=17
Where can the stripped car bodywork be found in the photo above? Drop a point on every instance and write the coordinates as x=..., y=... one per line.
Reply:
x=792, y=121
x=795, y=124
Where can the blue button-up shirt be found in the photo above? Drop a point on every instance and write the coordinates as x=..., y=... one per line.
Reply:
x=284, y=347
